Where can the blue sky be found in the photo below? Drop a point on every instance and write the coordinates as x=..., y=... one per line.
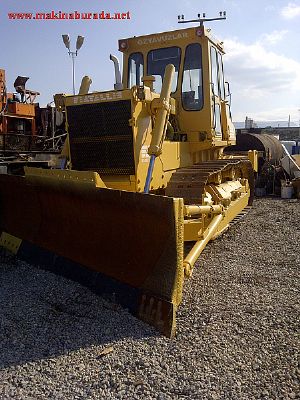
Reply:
x=262, y=41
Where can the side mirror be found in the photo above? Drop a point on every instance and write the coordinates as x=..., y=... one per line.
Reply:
x=227, y=90
x=213, y=88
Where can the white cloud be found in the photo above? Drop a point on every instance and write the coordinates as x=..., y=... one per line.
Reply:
x=292, y=10
x=273, y=37
x=265, y=85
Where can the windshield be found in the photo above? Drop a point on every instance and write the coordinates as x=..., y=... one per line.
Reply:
x=158, y=60
x=192, y=85
x=135, y=69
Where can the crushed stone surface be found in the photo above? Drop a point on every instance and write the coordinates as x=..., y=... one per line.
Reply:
x=238, y=333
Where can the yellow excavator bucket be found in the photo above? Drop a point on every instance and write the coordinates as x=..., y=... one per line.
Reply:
x=66, y=225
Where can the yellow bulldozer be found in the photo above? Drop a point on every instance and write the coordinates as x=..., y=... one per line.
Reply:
x=144, y=173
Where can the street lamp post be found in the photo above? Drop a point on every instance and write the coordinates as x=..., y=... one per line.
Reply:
x=73, y=54
x=299, y=123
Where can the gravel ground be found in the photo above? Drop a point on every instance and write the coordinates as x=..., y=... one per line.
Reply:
x=238, y=326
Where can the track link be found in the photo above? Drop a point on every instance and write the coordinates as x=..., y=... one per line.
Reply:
x=240, y=216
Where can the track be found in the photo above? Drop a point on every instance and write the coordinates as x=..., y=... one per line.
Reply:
x=190, y=182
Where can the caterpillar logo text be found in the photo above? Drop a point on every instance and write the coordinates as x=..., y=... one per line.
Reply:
x=162, y=38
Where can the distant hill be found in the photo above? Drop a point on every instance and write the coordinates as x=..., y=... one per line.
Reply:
x=264, y=124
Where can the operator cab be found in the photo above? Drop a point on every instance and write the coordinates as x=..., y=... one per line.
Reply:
x=156, y=62
x=198, y=84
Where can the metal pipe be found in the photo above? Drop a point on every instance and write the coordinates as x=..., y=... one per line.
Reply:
x=54, y=137
x=52, y=125
x=199, y=246
x=149, y=174
x=194, y=210
x=85, y=85
x=118, y=85
x=73, y=55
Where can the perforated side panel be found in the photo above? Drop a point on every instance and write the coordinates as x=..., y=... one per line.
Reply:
x=101, y=138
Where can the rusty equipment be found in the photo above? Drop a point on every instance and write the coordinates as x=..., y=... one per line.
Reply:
x=26, y=129
x=17, y=116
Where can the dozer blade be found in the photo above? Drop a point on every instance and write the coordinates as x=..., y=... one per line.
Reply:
x=126, y=246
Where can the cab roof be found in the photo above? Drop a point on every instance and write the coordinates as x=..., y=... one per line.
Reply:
x=164, y=39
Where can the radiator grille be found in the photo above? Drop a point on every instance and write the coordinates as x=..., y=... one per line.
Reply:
x=101, y=139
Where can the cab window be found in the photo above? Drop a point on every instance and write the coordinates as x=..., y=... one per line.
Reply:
x=217, y=76
x=217, y=121
x=192, y=87
x=135, y=69
x=221, y=77
x=214, y=70
x=158, y=60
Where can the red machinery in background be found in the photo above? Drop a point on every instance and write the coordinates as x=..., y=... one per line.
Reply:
x=26, y=129
x=17, y=115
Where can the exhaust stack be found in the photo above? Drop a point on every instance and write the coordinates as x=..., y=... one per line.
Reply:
x=118, y=85
x=85, y=85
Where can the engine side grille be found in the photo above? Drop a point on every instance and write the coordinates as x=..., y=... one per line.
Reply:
x=101, y=139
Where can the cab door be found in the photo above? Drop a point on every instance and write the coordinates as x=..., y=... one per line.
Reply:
x=218, y=93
